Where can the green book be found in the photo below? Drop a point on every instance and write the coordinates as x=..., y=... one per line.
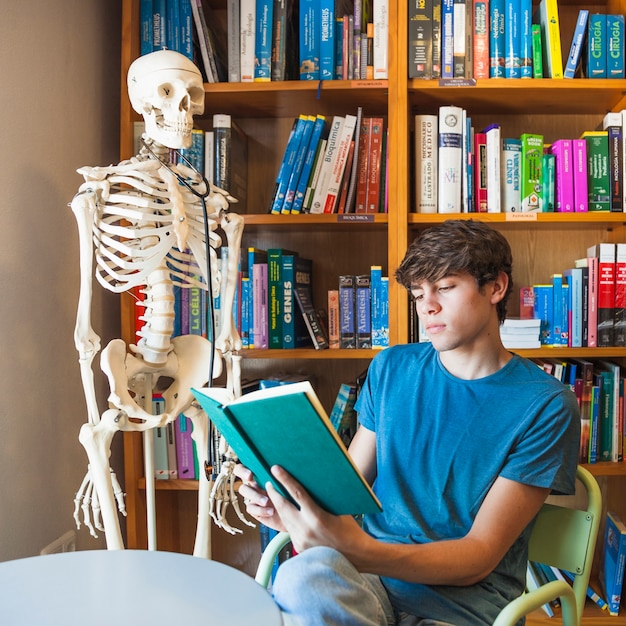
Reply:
x=598, y=170
x=287, y=426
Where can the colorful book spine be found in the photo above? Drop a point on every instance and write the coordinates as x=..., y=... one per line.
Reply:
x=420, y=38
x=447, y=39
x=620, y=295
x=286, y=165
x=512, y=38
x=363, y=316
x=481, y=38
x=327, y=39
x=275, y=297
x=579, y=167
x=375, y=165
x=309, y=49
x=615, y=45
x=260, y=311
x=613, y=561
x=596, y=48
x=480, y=172
x=493, y=134
x=380, y=44
x=547, y=16
x=511, y=174
x=459, y=52
x=450, y=156
x=544, y=311
x=574, y=278
x=560, y=328
x=263, y=41
x=612, y=123
x=298, y=164
x=161, y=463
x=576, y=47
x=497, y=20
x=537, y=49
x=598, y=177
x=526, y=41
x=317, y=133
x=333, y=319
x=531, y=172
x=184, y=448
x=145, y=27
x=347, y=296
x=247, y=16
x=288, y=311
x=605, y=253
x=564, y=189
x=244, y=330
x=338, y=165
x=548, y=182
x=426, y=163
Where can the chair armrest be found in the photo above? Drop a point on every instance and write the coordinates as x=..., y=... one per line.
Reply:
x=264, y=570
x=535, y=599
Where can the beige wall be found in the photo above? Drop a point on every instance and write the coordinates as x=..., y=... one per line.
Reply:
x=59, y=109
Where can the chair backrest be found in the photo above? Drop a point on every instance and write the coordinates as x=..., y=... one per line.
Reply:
x=566, y=538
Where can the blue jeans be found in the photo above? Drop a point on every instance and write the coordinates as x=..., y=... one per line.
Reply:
x=320, y=587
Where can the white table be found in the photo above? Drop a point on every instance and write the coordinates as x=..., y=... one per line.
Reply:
x=130, y=587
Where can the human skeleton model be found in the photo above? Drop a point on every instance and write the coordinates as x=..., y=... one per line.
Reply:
x=145, y=223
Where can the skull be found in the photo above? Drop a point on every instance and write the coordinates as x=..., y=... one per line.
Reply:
x=166, y=88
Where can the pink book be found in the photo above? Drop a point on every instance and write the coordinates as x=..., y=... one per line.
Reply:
x=564, y=179
x=592, y=333
x=184, y=448
x=259, y=300
x=579, y=169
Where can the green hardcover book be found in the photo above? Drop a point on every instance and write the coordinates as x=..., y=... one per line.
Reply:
x=547, y=181
x=287, y=426
x=598, y=173
x=275, y=297
x=537, y=49
x=531, y=172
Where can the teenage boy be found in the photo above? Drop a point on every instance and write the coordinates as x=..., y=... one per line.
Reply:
x=462, y=442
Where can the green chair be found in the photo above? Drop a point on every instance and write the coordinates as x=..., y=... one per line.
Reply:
x=562, y=537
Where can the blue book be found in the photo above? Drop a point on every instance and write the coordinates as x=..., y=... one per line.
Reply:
x=363, y=318
x=286, y=165
x=186, y=28
x=614, y=558
x=296, y=170
x=245, y=312
x=615, y=43
x=309, y=54
x=526, y=39
x=447, y=39
x=560, y=304
x=327, y=39
x=319, y=128
x=497, y=12
x=338, y=47
x=595, y=62
x=578, y=39
x=263, y=41
x=145, y=26
x=347, y=297
x=159, y=21
x=172, y=25
x=575, y=281
x=544, y=311
x=512, y=38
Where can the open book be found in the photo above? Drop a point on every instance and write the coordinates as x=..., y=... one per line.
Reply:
x=287, y=426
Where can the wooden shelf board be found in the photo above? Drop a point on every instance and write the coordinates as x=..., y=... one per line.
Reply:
x=318, y=223
x=310, y=354
x=546, y=96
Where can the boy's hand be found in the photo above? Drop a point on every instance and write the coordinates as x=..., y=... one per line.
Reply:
x=258, y=504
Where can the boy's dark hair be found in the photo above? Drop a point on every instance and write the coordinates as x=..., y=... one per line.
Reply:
x=458, y=247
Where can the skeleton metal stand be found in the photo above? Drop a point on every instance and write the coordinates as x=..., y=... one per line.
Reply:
x=152, y=224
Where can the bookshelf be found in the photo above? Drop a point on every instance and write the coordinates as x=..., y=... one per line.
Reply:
x=542, y=244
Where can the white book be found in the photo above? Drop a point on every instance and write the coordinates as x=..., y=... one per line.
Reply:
x=310, y=189
x=494, y=157
x=426, y=163
x=380, y=11
x=233, y=19
x=247, y=16
x=450, y=155
x=330, y=156
x=209, y=155
x=333, y=189
x=510, y=175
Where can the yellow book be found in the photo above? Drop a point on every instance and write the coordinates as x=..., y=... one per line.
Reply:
x=547, y=16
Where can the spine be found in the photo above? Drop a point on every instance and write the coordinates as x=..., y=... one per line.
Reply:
x=575, y=51
x=426, y=163
x=480, y=172
x=581, y=199
x=564, y=188
x=493, y=134
x=596, y=65
x=450, y=159
x=309, y=41
x=531, y=182
x=380, y=14
x=247, y=39
x=263, y=41
x=233, y=18
x=459, y=52
x=288, y=309
x=347, y=295
x=615, y=44
x=447, y=39
x=512, y=38
x=298, y=164
x=329, y=158
x=496, y=38
x=375, y=165
x=333, y=187
x=309, y=160
x=327, y=39
x=363, y=319
x=511, y=164
x=620, y=295
x=333, y=319
x=481, y=38
x=420, y=43
x=526, y=42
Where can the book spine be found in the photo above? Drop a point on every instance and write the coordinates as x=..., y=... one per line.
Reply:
x=146, y=44
x=497, y=19
x=564, y=190
x=612, y=124
x=184, y=448
x=309, y=160
x=459, y=52
x=620, y=295
x=352, y=167
x=511, y=164
x=526, y=43
x=311, y=319
x=298, y=163
x=596, y=65
x=613, y=562
x=245, y=312
x=274, y=298
x=575, y=281
x=340, y=157
x=615, y=41
x=512, y=38
x=288, y=304
x=309, y=40
x=233, y=38
x=426, y=163
x=537, y=49
x=222, y=136
x=363, y=320
x=481, y=38
x=544, y=311
x=480, y=172
x=172, y=25
x=532, y=165
x=317, y=166
x=436, y=40
x=333, y=319
x=447, y=39
x=548, y=182
x=278, y=64
x=329, y=158
x=579, y=158
x=327, y=39
x=592, y=263
x=375, y=166
x=450, y=155
x=575, y=52
x=172, y=466
x=494, y=156
x=420, y=38
x=552, y=36
x=263, y=41
x=606, y=294
x=380, y=19
x=347, y=295
x=247, y=43
x=363, y=165
x=598, y=179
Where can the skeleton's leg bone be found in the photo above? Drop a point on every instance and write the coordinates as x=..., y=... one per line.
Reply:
x=97, y=443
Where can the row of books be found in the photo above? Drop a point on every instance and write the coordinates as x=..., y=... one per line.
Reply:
x=459, y=169
x=469, y=39
x=612, y=561
x=599, y=387
x=336, y=167
x=272, y=40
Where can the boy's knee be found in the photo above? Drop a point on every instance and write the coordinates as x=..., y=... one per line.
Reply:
x=301, y=571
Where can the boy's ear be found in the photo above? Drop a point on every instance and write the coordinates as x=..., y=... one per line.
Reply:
x=500, y=286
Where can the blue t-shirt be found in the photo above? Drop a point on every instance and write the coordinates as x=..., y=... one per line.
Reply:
x=441, y=443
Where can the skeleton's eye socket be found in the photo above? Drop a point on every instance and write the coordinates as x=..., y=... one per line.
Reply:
x=166, y=90
x=196, y=94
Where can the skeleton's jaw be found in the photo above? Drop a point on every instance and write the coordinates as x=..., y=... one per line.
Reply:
x=174, y=134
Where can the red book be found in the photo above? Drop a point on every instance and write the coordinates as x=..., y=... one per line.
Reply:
x=480, y=172
x=481, y=38
x=362, y=164
x=374, y=170
x=341, y=207
x=526, y=303
x=620, y=295
x=605, y=253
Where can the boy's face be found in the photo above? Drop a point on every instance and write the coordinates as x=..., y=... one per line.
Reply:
x=454, y=312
